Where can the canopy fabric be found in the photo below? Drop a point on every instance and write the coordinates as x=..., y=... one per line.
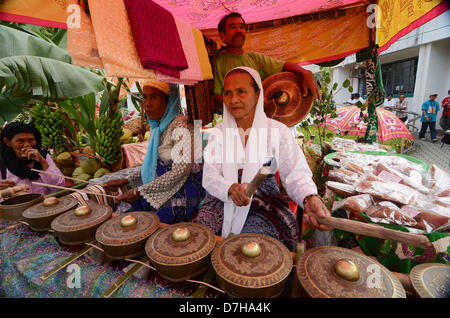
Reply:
x=305, y=42
x=207, y=14
x=38, y=12
x=398, y=18
x=291, y=42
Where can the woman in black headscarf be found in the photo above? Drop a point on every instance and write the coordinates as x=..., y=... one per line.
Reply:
x=20, y=151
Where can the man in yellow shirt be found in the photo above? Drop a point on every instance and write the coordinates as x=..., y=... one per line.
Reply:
x=232, y=33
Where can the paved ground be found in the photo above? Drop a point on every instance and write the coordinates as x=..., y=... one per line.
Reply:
x=432, y=153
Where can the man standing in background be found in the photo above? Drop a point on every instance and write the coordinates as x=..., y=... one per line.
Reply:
x=232, y=31
x=400, y=107
x=428, y=119
x=445, y=119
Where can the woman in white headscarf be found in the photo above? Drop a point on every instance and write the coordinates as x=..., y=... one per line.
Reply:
x=231, y=164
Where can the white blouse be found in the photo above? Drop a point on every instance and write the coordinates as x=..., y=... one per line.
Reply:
x=290, y=162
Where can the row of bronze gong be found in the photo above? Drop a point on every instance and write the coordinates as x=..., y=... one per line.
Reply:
x=246, y=265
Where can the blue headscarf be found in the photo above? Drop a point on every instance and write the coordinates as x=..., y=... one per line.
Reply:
x=148, y=170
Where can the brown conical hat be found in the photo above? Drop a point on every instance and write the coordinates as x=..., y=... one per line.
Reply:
x=283, y=100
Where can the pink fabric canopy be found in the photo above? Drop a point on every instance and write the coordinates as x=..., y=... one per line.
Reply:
x=206, y=14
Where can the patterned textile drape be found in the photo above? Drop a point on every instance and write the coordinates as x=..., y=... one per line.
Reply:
x=375, y=91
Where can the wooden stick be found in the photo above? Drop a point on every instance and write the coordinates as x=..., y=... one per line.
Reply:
x=201, y=290
x=12, y=191
x=69, y=260
x=11, y=227
x=118, y=283
x=257, y=180
x=70, y=178
x=376, y=231
x=75, y=190
x=405, y=281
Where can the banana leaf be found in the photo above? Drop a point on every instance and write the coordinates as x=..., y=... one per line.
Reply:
x=44, y=78
x=15, y=42
x=10, y=108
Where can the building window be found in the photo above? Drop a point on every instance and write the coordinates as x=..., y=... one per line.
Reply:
x=362, y=90
x=400, y=77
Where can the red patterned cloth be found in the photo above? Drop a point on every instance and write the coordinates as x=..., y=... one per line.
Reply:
x=156, y=37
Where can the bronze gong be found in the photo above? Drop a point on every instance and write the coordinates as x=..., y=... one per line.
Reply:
x=251, y=265
x=40, y=217
x=335, y=272
x=431, y=280
x=181, y=251
x=124, y=236
x=78, y=225
x=283, y=100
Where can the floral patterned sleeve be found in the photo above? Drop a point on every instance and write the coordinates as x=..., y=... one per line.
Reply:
x=178, y=139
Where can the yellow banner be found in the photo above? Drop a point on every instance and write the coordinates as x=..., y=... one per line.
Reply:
x=41, y=12
x=399, y=17
x=308, y=42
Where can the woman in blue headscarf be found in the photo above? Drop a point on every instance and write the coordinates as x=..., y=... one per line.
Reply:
x=171, y=181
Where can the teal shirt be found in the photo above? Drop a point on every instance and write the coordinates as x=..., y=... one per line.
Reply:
x=225, y=62
x=430, y=108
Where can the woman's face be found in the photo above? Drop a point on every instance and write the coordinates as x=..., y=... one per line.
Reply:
x=154, y=102
x=239, y=95
x=21, y=142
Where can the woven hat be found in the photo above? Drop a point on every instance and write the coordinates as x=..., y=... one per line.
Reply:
x=283, y=100
x=162, y=86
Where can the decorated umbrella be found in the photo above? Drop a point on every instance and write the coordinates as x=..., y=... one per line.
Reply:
x=350, y=119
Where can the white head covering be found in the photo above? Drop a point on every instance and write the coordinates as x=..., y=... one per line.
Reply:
x=234, y=216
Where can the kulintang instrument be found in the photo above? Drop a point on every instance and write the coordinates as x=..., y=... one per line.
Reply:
x=125, y=237
x=283, y=99
x=251, y=265
x=335, y=272
x=181, y=251
x=11, y=209
x=40, y=215
x=79, y=225
x=431, y=280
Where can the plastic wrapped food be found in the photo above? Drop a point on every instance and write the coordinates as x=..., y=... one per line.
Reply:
x=416, y=176
x=355, y=204
x=389, y=191
x=355, y=167
x=344, y=176
x=438, y=179
x=427, y=219
x=358, y=203
x=390, y=215
x=389, y=177
x=384, y=170
x=372, y=177
x=341, y=189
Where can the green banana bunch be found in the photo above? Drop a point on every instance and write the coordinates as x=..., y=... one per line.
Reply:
x=51, y=127
x=108, y=133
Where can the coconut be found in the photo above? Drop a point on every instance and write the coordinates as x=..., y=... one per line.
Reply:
x=68, y=170
x=90, y=165
x=77, y=172
x=100, y=172
x=127, y=134
x=83, y=176
x=87, y=151
x=64, y=159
